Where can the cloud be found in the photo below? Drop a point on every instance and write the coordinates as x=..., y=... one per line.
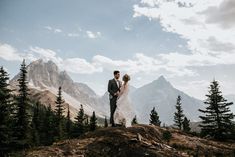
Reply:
x=172, y=64
x=222, y=15
x=79, y=65
x=197, y=21
x=127, y=28
x=54, y=30
x=74, y=65
x=9, y=53
x=73, y=35
x=45, y=54
x=93, y=35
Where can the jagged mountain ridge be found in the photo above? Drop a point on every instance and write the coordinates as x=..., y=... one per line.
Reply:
x=46, y=76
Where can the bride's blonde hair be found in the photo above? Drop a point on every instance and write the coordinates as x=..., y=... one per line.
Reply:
x=126, y=78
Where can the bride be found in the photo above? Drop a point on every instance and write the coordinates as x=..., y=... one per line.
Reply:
x=124, y=113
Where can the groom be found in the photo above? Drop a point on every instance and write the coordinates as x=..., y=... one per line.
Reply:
x=114, y=89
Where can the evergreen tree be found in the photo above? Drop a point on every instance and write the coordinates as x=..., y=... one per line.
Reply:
x=36, y=124
x=59, y=115
x=186, y=127
x=68, y=124
x=154, y=118
x=217, y=118
x=134, y=121
x=22, y=117
x=79, y=127
x=179, y=116
x=86, y=123
x=5, y=113
x=106, y=122
x=48, y=128
x=93, y=122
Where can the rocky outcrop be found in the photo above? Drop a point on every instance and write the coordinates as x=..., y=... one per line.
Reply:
x=136, y=141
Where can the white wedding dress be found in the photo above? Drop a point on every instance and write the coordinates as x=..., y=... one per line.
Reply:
x=124, y=112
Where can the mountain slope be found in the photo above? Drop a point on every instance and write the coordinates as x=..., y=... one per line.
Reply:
x=162, y=95
x=45, y=76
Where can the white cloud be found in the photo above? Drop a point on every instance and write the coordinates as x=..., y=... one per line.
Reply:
x=74, y=65
x=45, y=54
x=79, y=65
x=127, y=28
x=93, y=35
x=197, y=21
x=54, y=30
x=9, y=53
x=57, y=30
x=73, y=35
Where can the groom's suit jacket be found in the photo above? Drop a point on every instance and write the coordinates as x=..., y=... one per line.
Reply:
x=113, y=88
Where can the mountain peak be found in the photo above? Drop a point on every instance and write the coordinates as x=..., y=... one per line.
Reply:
x=162, y=81
x=162, y=78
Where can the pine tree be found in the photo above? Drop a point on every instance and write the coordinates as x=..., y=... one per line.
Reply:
x=179, y=116
x=5, y=113
x=106, y=122
x=36, y=125
x=154, y=118
x=68, y=124
x=86, y=123
x=48, y=128
x=22, y=117
x=79, y=127
x=217, y=118
x=134, y=121
x=59, y=115
x=93, y=122
x=186, y=127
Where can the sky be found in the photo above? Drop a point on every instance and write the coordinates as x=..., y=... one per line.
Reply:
x=190, y=42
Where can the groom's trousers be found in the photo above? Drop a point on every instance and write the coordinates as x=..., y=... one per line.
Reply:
x=113, y=106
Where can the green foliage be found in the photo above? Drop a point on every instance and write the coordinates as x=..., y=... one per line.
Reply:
x=68, y=124
x=59, y=115
x=217, y=118
x=36, y=125
x=154, y=118
x=24, y=123
x=166, y=135
x=22, y=117
x=93, y=122
x=134, y=121
x=5, y=113
x=178, y=115
x=79, y=127
x=49, y=127
x=186, y=127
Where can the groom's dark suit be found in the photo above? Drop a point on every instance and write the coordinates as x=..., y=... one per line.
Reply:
x=112, y=89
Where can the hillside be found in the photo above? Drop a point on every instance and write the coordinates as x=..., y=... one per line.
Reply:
x=162, y=95
x=137, y=141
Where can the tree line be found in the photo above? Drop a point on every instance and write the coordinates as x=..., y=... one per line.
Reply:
x=25, y=123
x=217, y=120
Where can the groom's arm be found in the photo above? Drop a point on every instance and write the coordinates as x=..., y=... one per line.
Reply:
x=110, y=88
